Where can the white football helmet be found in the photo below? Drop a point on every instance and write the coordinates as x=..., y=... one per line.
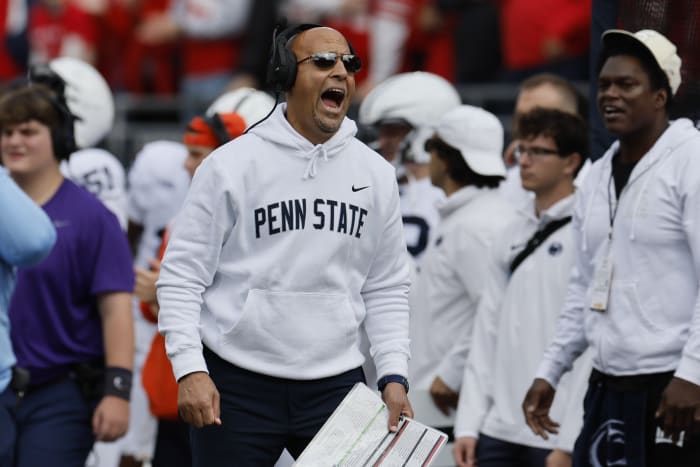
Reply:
x=88, y=97
x=416, y=98
x=419, y=98
x=253, y=105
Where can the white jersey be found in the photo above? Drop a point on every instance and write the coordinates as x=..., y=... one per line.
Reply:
x=420, y=201
x=449, y=284
x=516, y=320
x=158, y=184
x=103, y=175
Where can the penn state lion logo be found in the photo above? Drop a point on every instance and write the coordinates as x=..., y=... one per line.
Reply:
x=608, y=445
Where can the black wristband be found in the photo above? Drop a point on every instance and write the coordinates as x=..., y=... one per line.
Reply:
x=384, y=380
x=118, y=382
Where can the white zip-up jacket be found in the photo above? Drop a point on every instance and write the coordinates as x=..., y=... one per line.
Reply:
x=652, y=323
x=281, y=251
x=449, y=284
x=516, y=319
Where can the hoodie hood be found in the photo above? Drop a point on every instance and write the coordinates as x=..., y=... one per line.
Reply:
x=676, y=135
x=277, y=130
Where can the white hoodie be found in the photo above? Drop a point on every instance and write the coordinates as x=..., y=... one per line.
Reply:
x=515, y=321
x=653, y=319
x=450, y=284
x=282, y=249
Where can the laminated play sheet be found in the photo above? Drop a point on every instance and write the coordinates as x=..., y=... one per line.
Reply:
x=356, y=435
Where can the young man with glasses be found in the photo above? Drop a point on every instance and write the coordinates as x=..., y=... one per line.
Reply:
x=634, y=297
x=289, y=240
x=524, y=289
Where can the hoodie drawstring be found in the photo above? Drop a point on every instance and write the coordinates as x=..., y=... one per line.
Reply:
x=310, y=171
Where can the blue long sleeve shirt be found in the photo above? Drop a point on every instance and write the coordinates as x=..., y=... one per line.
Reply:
x=26, y=237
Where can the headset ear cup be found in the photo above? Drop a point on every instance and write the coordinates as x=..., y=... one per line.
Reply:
x=282, y=69
x=217, y=124
x=63, y=133
x=291, y=71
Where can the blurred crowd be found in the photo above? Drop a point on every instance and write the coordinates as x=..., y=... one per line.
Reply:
x=199, y=47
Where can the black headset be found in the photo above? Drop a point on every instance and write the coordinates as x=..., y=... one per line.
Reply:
x=63, y=132
x=282, y=69
x=219, y=127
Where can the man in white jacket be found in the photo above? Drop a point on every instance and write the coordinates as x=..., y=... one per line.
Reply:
x=290, y=238
x=523, y=294
x=466, y=163
x=634, y=296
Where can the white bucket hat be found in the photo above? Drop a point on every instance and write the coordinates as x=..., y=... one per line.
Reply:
x=478, y=135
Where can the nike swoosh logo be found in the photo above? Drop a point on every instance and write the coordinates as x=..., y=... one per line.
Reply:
x=359, y=189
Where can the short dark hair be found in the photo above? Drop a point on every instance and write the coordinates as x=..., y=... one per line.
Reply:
x=569, y=132
x=30, y=102
x=457, y=167
x=632, y=47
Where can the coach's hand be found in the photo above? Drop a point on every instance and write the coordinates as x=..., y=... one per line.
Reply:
x=198, y=400
x=679, y=409
x=110, y=419
x=396, y=400
x=536, y=406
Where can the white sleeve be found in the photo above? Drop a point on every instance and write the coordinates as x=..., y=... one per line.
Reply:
x=473, y=249
x=570, y=339
x=212, y=19
x=474, y=396
x=189, y=265
x=689, y=366
x=388, y=34
x=385, y=293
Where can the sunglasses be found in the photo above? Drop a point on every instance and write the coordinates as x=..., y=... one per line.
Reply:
x=326, y=60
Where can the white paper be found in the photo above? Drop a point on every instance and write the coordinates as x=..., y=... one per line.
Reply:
x=357, y=435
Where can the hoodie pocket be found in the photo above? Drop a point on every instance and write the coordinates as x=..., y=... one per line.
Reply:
x=294, y=325
x=648, y=308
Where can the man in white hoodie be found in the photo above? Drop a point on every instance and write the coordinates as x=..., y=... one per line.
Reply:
x=290, y=238
x=523, y=293
x=466, y=163
x=634, y=295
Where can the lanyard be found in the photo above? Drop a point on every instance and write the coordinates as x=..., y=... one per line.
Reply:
x=612, y=212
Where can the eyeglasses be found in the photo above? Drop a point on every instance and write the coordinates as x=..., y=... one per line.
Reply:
x=534, y=151
x=326, y=60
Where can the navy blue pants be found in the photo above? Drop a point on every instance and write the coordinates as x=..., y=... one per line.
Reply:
x=51, y=425
x=492, y=452
x=172, y=444
x=262, y=415
x=619, y=427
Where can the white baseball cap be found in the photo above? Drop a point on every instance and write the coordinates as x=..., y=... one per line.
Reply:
x=478, y=135
x=662, y=50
